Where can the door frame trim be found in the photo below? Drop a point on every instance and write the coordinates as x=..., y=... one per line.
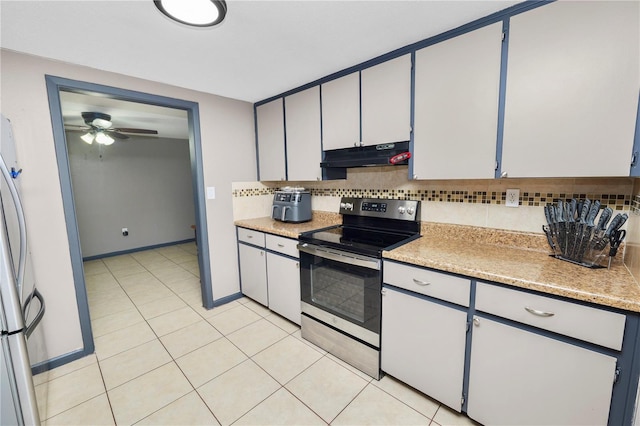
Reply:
x=54, y=85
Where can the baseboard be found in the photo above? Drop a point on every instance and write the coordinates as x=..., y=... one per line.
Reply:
x=137, y=249
x=59, y=361
x=227, y=299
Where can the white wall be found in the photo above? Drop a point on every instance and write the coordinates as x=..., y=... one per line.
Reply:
x=226, y=128
x=142, y=183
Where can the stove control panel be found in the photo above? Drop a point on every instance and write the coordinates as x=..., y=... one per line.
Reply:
x=382, y=208
x=374, y=207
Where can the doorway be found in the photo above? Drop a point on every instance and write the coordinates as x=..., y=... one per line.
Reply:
x=54, y=86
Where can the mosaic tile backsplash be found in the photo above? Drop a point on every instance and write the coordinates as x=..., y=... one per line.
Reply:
x=532, y=199
x=470, y=202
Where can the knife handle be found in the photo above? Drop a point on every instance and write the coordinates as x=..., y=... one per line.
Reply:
x=615, y=224
x=560, y=212
x=593, y=212
x=604, y=218
x=574, y=209
x=584, y=212
x=547, y=214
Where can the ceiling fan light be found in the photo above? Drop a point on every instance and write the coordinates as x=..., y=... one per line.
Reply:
x=103, y=124
x=88, y=137
x=104, y=139
x=197, y=13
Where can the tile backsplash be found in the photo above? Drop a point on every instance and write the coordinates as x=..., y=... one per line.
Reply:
x=472, y=202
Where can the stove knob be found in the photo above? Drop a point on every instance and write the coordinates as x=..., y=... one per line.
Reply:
x=401, y=210
x=343, y=206
x=410, y=210
x=348, y=206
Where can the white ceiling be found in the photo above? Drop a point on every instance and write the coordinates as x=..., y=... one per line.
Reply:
x=169, y=122
x=263, y=47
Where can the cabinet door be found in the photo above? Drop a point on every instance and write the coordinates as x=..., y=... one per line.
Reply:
x=423, y=344
x=341, y=112
x=572, y=90
x=386, y=102
x=283, y=276
x=456, y=106
x=253, y=273
x=304, y=150
x=517, y=377
x=271, y=161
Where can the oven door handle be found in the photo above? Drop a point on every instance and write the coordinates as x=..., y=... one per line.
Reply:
x=340, y=256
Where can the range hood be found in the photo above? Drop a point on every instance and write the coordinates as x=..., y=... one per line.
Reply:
x=373, y=155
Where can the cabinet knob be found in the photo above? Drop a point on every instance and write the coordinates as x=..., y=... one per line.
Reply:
x=476, y=322
x=297, y=265
x=504, y=174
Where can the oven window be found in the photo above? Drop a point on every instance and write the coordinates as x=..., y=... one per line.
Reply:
x=348, y=291
x=340, y=290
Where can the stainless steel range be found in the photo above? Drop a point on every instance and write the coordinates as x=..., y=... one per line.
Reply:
x=341, y=277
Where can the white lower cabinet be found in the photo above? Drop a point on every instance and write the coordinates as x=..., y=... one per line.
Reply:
x=283, y=278
x=423, y=344
x=272, y=276
x=253, y=263
x=518, y=377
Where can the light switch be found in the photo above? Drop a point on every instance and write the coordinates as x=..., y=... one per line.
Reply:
x=211, y=192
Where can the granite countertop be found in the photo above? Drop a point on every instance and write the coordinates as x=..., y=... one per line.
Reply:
x=521, y=262
x=287, y=229
x=517, y=259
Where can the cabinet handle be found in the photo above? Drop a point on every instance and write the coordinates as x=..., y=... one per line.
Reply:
x=297, y=265
x=421, y=282
x=538, y=313
x=261, y=253
x=280, y=245
x=249, y=236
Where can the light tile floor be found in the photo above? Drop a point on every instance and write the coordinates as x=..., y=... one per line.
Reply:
x=161, y=358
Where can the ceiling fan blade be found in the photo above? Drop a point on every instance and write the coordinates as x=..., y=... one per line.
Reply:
x=139, y=131
x=76, y=127
x=116, y=135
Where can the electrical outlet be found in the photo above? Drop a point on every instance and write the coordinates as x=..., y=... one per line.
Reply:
x=125, y=232
x=513, y=198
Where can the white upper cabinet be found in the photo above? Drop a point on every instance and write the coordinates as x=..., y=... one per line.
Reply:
x=572, y=90
x=457, y=86
x=341, y=112
x=304, y=150
x=271, y=160
x=386, y=102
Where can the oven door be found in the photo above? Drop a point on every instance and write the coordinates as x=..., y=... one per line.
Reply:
x=342, y=290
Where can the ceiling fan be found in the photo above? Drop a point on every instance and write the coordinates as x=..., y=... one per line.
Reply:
x=99, y=128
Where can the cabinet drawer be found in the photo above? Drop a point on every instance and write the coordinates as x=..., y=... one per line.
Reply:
x=571, y=319
x=283, y=245
x=423, y=281
x=250, y=236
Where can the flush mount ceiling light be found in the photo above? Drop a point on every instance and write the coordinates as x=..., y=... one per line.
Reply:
x=197, y=13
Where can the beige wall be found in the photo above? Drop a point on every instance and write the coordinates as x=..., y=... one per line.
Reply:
x=226, y=127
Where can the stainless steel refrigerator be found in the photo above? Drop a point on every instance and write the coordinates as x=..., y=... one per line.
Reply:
x=18, y=299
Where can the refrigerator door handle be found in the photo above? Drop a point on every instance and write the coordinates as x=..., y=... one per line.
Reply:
x=36, y=320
